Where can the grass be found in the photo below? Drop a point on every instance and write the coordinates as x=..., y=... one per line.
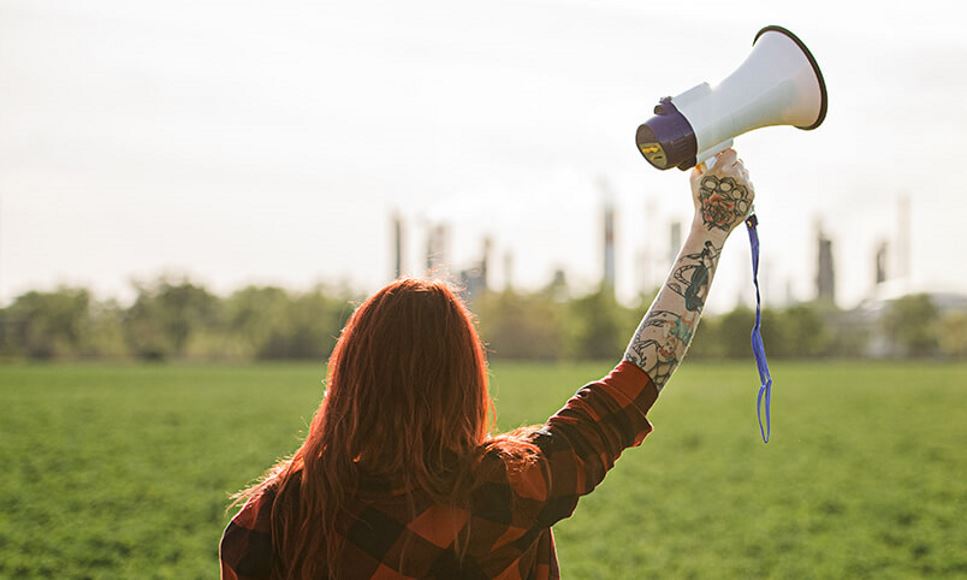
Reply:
x=123, y=471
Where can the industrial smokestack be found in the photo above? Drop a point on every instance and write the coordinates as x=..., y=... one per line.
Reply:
x=436, y=251
x=609, y=245
x=508, y=271
x=903, y=239
x=825, y=272
x=674, y=242
x=607, y=282
x=397, y=245
x=881, y=259
x=488, y=245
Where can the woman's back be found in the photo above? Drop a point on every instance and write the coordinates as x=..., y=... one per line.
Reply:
x=504, y=528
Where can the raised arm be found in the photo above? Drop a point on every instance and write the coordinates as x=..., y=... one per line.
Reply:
x=582, y=441
x=723, y=198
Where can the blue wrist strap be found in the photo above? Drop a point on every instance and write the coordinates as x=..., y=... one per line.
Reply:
x=758, y=349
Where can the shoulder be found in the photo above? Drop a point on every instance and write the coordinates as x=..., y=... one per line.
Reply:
x=257, y=512
x=505, y=455
x=246, y=545
x=510, y=481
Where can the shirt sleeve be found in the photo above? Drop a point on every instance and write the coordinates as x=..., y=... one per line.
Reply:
x=582, y=441
x=245, y=550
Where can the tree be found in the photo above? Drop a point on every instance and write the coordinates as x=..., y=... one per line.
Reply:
x=309, y=326
x=911, y=323
x=734, y=332
x=521, y=326
x=44, y=325
x=775, y=333
x=953, y=335
x=805, y=331
x=164, y=316
x=106, y=336
x=255, y=314
x=707, y=342
x=596, y=328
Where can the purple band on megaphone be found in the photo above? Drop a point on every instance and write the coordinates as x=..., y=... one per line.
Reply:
x=667, y=139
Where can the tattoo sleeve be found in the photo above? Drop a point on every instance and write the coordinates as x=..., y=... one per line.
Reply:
x=660, y=342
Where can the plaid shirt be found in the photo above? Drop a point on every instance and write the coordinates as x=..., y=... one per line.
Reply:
x=510, y=513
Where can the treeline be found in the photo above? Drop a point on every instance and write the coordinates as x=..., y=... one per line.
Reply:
x=177, y=319
x=538, y=326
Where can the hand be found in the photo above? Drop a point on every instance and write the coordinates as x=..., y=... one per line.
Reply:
x=723, y=195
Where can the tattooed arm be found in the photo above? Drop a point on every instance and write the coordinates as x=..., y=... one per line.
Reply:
x=723, y=198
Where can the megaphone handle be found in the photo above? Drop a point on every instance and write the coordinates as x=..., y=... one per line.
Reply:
x=706, y=159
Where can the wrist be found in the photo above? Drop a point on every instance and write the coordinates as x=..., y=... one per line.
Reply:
x=701, y=230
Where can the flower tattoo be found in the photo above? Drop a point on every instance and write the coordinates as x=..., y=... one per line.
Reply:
x=724, y=202
x=660, y=342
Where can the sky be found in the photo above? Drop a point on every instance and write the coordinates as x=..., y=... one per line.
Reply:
x=254, y=142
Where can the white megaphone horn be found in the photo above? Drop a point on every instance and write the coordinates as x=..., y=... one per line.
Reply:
x=778, y=84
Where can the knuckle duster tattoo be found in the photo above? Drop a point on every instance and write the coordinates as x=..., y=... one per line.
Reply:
x=724, y=202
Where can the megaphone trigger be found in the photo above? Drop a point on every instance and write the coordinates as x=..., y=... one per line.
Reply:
x=709, y=157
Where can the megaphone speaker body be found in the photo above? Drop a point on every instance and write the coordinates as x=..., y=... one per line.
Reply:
x=778, y=84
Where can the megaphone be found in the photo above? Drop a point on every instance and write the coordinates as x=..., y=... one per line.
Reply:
x=778, y=84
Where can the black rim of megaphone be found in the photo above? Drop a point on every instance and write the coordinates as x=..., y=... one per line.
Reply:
x=812, y=62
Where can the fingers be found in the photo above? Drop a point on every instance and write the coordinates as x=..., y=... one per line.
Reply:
x=726, y=158
x=724, y=161
x=738, y=169
x=728, y=164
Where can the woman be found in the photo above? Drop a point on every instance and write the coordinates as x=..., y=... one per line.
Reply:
x=398, y=476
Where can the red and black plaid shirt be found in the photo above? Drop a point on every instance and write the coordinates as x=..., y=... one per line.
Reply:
x=510, y=513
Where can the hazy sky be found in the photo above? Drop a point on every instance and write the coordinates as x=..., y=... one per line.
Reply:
x=269, y=142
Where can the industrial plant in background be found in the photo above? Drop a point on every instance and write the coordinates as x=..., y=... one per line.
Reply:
x=866, y=330
x=178, y=318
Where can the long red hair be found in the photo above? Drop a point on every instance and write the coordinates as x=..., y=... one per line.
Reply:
x=406, y=399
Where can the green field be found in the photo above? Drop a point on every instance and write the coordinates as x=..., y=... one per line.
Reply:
x=123, y=471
